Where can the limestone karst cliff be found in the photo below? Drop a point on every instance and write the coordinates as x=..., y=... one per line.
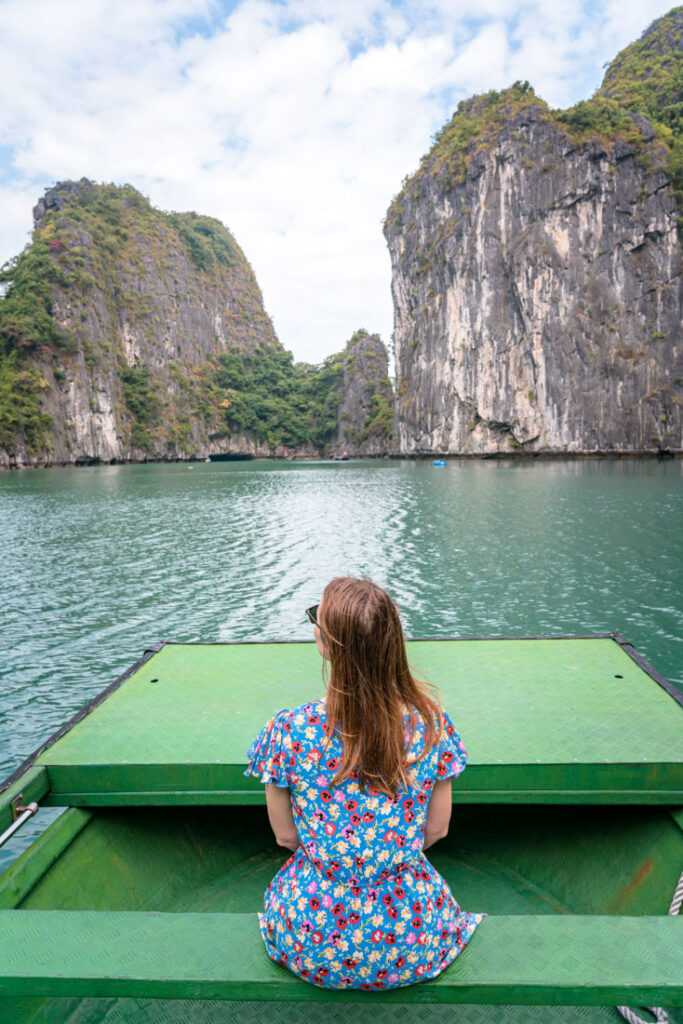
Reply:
x=128, y=334
x=133, y=303
x=536, y=269
x=365, y=415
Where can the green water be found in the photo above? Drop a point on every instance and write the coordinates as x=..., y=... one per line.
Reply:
x=101, y=562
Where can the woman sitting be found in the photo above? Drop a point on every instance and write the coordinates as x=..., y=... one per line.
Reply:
x=358, y=785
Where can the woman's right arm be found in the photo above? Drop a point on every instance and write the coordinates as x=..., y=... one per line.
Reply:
x=438, y=812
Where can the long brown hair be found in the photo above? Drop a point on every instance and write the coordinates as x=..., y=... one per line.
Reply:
x=371, y=686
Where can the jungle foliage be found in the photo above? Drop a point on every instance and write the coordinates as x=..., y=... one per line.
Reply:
x=26, y=327
x=142, y=400
x=647, y=78
x=208, y=241
x=21, y=389
x=84, y=235
x=265, y=394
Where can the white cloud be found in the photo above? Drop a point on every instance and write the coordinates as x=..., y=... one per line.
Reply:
x=489, y=49
x=292, y=122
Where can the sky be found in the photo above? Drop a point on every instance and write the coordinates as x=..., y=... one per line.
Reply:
x=294, y=122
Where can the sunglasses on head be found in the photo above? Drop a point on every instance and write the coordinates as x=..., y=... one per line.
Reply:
x=312, y=614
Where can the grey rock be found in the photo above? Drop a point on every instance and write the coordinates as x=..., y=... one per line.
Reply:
x=366, y=410
x=538, y=302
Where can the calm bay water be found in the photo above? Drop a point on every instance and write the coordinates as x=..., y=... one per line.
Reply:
x=101, y=562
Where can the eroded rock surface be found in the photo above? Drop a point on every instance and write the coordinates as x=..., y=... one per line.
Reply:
x=365, y=414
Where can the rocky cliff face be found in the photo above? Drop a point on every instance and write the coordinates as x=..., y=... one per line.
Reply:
x=536, y=280
x=139, y=301
x=365, y=415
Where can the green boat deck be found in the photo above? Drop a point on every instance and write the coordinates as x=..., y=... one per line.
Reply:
x=567, y=831
x=545, y=721
x=609, y=870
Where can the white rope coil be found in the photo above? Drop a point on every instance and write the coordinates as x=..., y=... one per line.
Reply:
x=660, y=1015
x=678, y=897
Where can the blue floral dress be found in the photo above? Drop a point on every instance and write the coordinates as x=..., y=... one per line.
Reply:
x=358, y=905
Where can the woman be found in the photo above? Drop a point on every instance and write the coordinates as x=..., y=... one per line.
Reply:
x=358, y=785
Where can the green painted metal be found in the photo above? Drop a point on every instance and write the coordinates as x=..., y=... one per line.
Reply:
x=519, y=959
x=33, y=784
x=576, y=783
x=18, y=880
x=543, y=720
x=677, y=815
x=247, y=797
x=521, y=860
x=171, y=859
x=181, y=741
x=518, y=860
x=170, y=798
x=183, y=1011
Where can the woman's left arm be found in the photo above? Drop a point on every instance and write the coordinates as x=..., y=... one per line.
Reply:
x=438, y=812
x=281, y=817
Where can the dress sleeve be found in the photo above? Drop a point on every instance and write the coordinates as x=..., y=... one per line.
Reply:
x=452, y=754
x=267, y=755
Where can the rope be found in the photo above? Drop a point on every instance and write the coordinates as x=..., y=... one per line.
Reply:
x=678, y=898
x=660, y=1015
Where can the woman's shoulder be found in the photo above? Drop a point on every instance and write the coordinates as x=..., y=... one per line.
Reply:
x=302, y=711
x=289, y=724
x=307, y=715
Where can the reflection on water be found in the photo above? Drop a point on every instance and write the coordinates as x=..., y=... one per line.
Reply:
x=101, y=562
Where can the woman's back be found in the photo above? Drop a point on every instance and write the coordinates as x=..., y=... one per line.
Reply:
x=349, y=833
x=359, y=905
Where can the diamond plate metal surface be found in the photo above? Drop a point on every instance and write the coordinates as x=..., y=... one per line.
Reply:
x=182, y=1011
x=555, y=959
x=535, y=703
